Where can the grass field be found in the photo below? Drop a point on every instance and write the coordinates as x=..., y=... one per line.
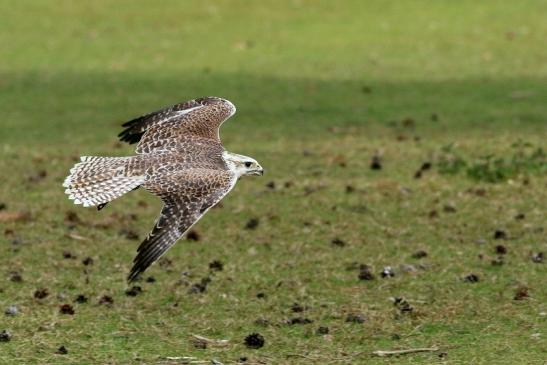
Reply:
x=449, y=98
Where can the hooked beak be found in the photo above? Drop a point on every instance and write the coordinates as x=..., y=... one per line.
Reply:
x=259, y=171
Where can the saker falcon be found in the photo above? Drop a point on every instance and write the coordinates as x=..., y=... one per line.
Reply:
x=180, y=158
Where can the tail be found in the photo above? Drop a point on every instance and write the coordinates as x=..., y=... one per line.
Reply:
x=98, y=180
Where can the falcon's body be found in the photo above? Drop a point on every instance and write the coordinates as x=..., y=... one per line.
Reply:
x=179, y=158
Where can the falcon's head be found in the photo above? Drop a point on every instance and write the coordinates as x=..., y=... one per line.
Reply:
x=242, y=165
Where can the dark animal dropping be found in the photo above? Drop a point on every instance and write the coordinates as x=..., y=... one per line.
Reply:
x=472, y=278
x=419, y=254
x=500, y=234
x=322, y=330
x=376, y=163
x=299, y=320
x=520, y=216
x=16, y=277
x=216, y=265
x=66, y=309
x=252, y=223
x=403, y=305
x=80, y=299
x=72, y=217
x=365, y=273
x=254, y=341
x=133, y=291
x=106, y=299
x=193, y=236
x=5, y=336
x=338, y=242
x=433, y=214
x=199, y=287
x=521, y=293
x=68, y=255
x=297, y=308
x=41, y=293
x=501, y=249
x=425, y=166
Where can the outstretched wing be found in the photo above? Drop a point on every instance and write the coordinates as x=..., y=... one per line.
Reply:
x=162, y=129
x=187, y=196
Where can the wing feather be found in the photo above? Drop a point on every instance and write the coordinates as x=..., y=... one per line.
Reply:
x=135, y=128
x=183, y=207
x=200, y=118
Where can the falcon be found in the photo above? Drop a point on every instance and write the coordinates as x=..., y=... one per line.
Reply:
x=179, y=158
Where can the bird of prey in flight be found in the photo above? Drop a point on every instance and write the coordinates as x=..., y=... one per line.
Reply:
x=179, y=158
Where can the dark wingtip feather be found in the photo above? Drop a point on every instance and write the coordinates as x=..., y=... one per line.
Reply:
x=147, y=253
x=132, y=122
x=133, y=274
x=131, y=134
x=141, y=263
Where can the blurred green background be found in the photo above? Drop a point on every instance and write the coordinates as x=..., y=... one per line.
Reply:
x=296, y=65
x=321, y=87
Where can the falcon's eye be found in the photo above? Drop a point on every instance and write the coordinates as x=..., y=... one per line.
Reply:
x=248, y=164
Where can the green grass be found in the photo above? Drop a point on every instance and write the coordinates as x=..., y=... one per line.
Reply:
x=320, y=89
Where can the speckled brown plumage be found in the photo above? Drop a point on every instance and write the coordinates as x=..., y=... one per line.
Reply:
x=163, y=129
x=179, y=158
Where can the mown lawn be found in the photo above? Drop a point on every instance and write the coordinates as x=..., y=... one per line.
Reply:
x=447, y=98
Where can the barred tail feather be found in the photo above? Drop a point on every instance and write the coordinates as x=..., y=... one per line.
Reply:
x=98, y=180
